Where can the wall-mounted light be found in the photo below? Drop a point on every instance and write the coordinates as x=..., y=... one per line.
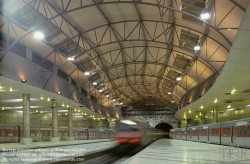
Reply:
x=113, y=99
x=229, y=106
x=189, y=111
x=24, y=81
x=58, y=92
x=215, y=101
x=232, y=92
x=11, y=89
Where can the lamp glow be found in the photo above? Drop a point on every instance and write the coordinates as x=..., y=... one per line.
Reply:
x=38, y=35
x=178, y=78
x=205, y=16
x=197, y=47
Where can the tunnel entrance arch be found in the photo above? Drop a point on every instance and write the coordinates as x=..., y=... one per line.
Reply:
x=164, y=126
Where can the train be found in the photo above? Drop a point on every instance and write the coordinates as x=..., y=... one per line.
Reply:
x=14, y=134
x=232, y=133
x=132, y=133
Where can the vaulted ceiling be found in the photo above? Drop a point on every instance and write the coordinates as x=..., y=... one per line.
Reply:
x=133, y=49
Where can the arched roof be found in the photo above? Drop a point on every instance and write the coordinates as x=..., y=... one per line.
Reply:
x=134, y=49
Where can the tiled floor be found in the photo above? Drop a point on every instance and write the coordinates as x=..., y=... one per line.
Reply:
x=177, y=151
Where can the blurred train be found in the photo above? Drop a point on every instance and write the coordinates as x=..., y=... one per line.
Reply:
x=134, y=133
x=13, y=133
x=232, y=133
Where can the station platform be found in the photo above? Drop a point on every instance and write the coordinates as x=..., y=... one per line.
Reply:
x=50, y=152
x=178, y=151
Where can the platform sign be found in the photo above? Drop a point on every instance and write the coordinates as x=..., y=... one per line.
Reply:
x=241, y=123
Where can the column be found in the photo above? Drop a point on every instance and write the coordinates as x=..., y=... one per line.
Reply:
x=215, y=115
x=70, y=125
x=183, y=123
x=89, y=100
x=26, y=119
x=54, y=137
x=202, y=119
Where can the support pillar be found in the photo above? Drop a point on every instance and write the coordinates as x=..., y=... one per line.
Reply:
x=183, y=123
x=89, y=100
x=70, y=125
x=26, y=119
x=215, y=115
x=202, y=119
x=54, y=137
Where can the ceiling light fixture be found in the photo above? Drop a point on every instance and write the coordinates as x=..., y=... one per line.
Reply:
x=71, y=58
x=38, y=35
x=197, y=47
x=107, y=95
x=121, y=103
x=24, y=81
x=172, y=101
x=100, y=90
x=205, y=16
x=178, y=78
x=169, y=93
x=94, y=83
x=86, y=73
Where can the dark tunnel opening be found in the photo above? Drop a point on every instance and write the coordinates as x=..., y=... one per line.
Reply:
x=164, y=126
